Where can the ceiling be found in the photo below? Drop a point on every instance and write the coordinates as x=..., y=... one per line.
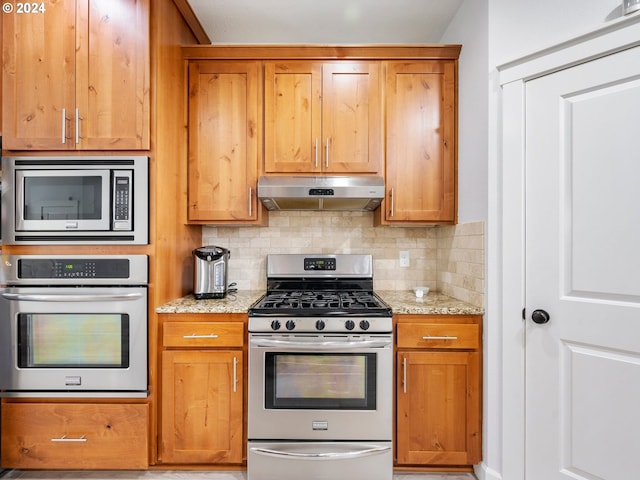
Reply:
x=325, y=21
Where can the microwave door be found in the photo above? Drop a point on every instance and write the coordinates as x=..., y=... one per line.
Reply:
x=63, y=200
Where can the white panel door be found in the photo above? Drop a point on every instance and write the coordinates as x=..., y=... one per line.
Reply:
x=583, y=269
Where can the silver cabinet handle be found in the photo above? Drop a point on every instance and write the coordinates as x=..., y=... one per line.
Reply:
x=70, y=298
x=235, y=374
x=69, y=440
x=77, y=126
x=193, y=335
x=316, y=152
x=321, y=455
x=64, y=126
x=250, y=201
x=445, y=337
x=404, y=374
x=326, y=161
x=392, y=192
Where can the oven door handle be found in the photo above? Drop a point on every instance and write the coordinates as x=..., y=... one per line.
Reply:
x=28, y=297
x=268, y=342
x=320, y=455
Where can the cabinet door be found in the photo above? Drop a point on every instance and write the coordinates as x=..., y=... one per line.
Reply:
x=223, y=141
x=112, y=75
x=438, y=408
x=39, y=78
x=421, y=146
x=293, y=116
x=201, y=407
x=351, y=117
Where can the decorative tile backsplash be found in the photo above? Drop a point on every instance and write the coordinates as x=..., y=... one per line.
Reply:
x=452, y=248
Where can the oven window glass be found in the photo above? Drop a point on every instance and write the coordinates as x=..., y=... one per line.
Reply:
x=73, y=340
x=320, y=380
x=63, y=198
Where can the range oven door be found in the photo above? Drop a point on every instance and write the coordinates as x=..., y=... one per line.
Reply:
x=66, y=341
x=320, y=387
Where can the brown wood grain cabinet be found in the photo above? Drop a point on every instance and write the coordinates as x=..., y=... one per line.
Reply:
x=224, y=142
x=75, y=436
x=323, y=117
x=421, y=171
x=438, y=391
x=76, y=76
x=202, y=391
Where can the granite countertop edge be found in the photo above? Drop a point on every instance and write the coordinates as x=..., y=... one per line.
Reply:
x=401, y=302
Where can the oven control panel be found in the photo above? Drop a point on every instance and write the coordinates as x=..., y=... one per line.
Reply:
x=319, y=264
x=73, y=268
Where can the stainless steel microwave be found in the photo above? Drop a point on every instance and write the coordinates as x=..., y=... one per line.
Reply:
x=75, y=200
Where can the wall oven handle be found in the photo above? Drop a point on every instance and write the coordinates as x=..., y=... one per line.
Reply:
x=269, y=342
x=320, y=455
x=64, y=438
x=28, y=297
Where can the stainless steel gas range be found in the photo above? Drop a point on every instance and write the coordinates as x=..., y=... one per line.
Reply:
x=320, y=372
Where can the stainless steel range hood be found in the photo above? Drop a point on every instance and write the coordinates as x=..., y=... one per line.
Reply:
x=321, y=193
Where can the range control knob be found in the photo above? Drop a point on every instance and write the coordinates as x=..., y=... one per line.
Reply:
x=364, y=324
x=320, y=325
x=275, y=325
x=290, y=325
x=349, y=325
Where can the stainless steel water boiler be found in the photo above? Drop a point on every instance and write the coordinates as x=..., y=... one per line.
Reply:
x=210, y=272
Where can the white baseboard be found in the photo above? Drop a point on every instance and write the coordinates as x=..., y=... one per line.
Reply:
x=485, y=473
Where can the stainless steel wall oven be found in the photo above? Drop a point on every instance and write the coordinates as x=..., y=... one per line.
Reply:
x=74, y=326
x=320, y=372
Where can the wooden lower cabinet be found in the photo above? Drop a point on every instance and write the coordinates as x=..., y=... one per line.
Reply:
x=202, y=392
x=75, y=436
x=438, y=398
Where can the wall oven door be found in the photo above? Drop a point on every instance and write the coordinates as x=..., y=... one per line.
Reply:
x=73, y=341
x=320, y=387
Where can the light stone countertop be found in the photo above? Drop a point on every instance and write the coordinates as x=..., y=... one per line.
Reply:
x=401, y=302
x=238, y=302
x=434, y=303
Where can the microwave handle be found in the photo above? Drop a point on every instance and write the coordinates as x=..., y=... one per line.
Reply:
x=70, y=298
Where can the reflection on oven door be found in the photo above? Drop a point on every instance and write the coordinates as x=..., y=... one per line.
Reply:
x=319, y=460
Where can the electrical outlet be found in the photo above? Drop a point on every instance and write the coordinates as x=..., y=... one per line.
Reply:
x=404, y=258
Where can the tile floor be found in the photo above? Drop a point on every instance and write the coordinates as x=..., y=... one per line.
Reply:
x=183, y=475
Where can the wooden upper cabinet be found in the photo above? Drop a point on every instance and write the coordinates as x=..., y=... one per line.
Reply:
x=76, y=77
x=421, y=144
x=323, y=117
x=224, y=136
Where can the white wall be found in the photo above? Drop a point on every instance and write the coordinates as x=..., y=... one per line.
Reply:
x=469, y=28
x=519, y=27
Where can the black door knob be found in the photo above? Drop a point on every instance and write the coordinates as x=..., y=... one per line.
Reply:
x=540, y=317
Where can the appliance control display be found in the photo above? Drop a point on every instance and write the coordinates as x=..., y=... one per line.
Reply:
x=121, y=204
x=319, y=263
x=73, y=268
x=321, y=192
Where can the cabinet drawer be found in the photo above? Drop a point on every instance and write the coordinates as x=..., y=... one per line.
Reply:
x=75, y=436
x=203, y=334
x=449, y=336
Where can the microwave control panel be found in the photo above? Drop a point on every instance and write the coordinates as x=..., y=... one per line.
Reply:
x=122, y=182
